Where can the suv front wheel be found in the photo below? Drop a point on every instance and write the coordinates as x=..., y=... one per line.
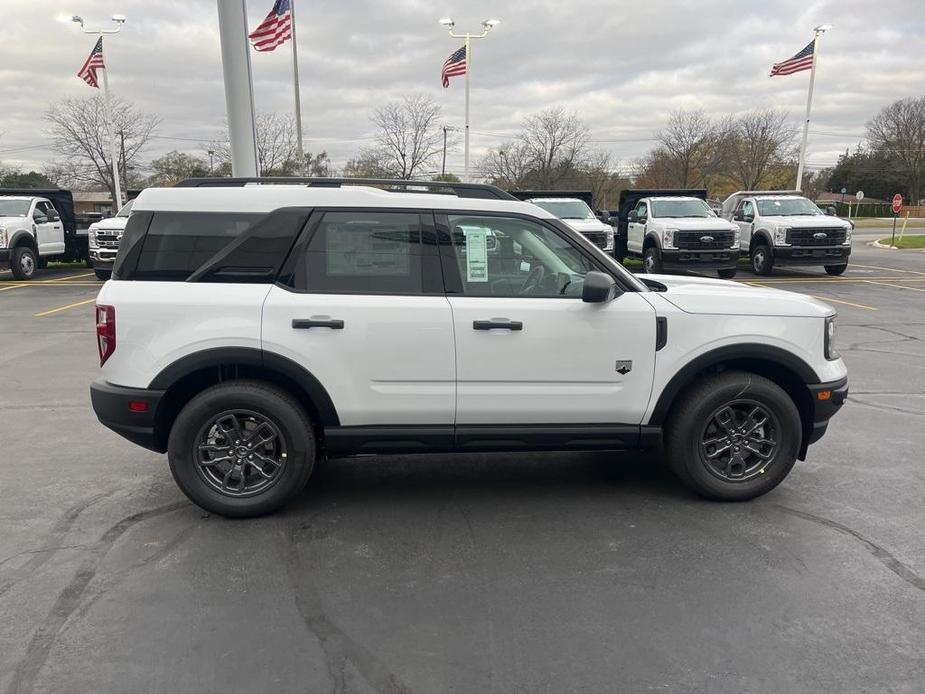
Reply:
x=241, y=449
x=733, y=436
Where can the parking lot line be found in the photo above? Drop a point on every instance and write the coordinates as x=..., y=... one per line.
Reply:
x=64, y=308
x=891, y=269
x=13, y=283
x=71, y=277
x=896, y=286
x=837, y=280
x=826, y=298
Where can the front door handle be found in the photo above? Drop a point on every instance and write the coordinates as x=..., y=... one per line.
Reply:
x=497, y=324
x=306, y=323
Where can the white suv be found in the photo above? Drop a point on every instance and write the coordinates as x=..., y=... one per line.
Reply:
x=250, y=329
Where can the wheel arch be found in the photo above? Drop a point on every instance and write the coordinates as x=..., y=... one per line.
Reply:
x=651, y=241
x=787, y=370
x=23, y=238
x=759, y=237
x=185, y=378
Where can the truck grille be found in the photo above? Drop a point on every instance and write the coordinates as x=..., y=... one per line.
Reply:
x=815, y=236
x=704, y=240
x=107, y=240
x=598, y=238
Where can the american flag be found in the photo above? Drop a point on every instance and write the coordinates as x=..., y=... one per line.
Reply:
x=275, y=29
x=801, y=61
x=453, y=66
x=94, y=62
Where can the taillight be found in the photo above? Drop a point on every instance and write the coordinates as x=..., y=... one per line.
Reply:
x=105, y=331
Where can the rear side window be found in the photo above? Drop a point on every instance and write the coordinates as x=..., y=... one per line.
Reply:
x=208, y=246
x=361, y=253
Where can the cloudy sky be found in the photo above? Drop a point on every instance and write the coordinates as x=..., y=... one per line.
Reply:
x=622, y=66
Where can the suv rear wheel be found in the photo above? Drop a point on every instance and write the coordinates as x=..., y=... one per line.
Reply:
x=241, y=449
x=733, y=436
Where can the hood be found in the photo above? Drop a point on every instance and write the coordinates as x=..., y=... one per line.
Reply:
x=705, y=295
x=111, y=224
x=12, y=221
x=815, y=221
x=691, y=224
x=587, y=225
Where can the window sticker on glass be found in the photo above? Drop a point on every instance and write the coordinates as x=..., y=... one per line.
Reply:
x=476, y=254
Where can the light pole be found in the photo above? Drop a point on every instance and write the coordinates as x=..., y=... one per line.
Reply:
x=118, y=20
x=487, y=26
x=211, y=155
x=817, y=32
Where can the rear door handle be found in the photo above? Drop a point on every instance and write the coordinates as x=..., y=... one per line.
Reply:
x=497, y=324
x=306, y=323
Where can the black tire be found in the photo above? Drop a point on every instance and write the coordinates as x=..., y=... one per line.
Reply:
x=835, y=269
x=726, y=273
x=762, y=260
x=652, y=261
x=102, y=274
x=23, y=263
x=693, y=420
x=294, y=446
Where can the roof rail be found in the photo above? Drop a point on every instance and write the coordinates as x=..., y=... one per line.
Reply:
x=462, y=190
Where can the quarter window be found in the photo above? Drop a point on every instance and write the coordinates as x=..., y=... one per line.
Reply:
x=362, y=252
x=508, y=257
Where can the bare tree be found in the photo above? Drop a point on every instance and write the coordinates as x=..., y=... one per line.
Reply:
x=694, y=146
x=369, y=162
x=80, y=134
x=176, y=166
x=277, y=145
x=755, y=143
x=508, y=166
x=408, y=137
x=555, y=141
x=899, y=132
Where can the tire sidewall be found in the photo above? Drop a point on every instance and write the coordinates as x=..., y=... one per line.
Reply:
x=761, y=260
x=835, y=269
x=269, y=403
x=687, y=436
x=656, y=264
x=16, y=263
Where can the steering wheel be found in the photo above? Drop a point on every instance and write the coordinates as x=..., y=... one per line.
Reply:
x=533, y=280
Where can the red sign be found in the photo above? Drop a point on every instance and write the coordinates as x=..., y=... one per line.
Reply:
x=897, y=203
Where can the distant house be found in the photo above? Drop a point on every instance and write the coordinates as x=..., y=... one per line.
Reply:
x=846, y=198
x=90, y=201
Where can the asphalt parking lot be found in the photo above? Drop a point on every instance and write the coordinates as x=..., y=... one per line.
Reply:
x=477, y=573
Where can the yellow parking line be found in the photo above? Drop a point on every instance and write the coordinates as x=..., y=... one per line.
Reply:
x=12, y=283
x=64, y=308
x=896, y=286
x=826, y=298
x=15, y=286
x=72, y=277
x=838, y=280
x=891, y=269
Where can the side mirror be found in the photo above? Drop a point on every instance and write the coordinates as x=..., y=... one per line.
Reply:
x=632, y=216
x=830, y=211
x=738, y=216
x=598, y=288
x=39, y=218
x=748, y=218
x=53, y=216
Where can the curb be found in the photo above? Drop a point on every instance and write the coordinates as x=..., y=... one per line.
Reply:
x=877, y=244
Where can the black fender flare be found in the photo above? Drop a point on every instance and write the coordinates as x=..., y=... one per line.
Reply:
x=17, y=240
x=249, y=356
x=653, y=237
x=755, y=351
x=764, y=236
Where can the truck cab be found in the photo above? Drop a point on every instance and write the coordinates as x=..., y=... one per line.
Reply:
x=677, y=230
x=785, y=227
x=579, y=216
x=31, y=231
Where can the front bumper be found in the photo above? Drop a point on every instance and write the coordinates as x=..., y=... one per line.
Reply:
x=111, y=405
x=103, y=256
x=824, y=408
x=807, y=255
x=723, y=258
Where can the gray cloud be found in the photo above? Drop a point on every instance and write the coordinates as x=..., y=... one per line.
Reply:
x=622, y=67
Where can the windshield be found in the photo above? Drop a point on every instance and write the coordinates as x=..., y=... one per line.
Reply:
x=681, y=208
x=567, y=209
x=126, y=209
x=786, y=207
x=14, y=208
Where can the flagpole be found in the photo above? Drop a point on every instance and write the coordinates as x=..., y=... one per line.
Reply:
x=295, y=86
x=818, y=31
x=117, y=202
x=468, y=68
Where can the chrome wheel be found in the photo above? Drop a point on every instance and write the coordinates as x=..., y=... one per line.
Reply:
x=758, y=262
x=240, y=453
x=648, y=264
x=27, y=264
x=740, y=440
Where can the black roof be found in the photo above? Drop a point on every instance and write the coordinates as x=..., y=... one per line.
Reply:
x=462, y=190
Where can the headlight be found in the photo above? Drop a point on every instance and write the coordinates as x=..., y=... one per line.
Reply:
x=91, y=236
x=668, y=238
x=736, y=237
x=830, y=334
x=847, y=236
x=608, y=236
x=3, y=237
x=780, y=236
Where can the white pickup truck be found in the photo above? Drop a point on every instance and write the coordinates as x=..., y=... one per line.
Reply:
x=785, y=227
x=104, y=237
x=576, y=214
x=31, y=232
